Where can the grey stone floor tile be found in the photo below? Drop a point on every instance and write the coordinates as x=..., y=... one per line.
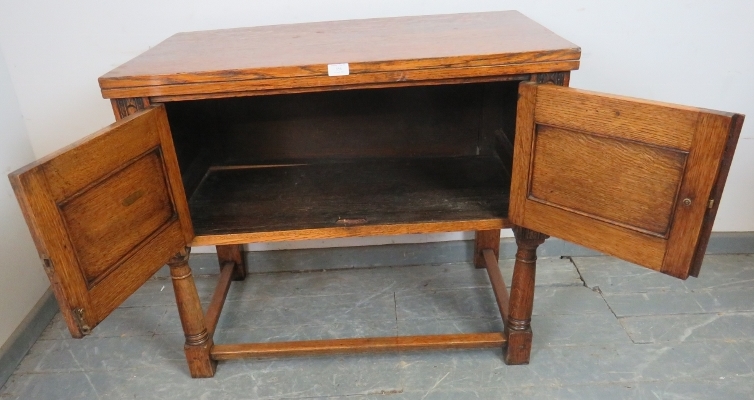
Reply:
x=92, y=354
x=737, y=388
x=725, y=271
x=66, y=385
x=133, y=321
x=568, y=300
x=601, y=392
x=612, y=275
x=363, y=281
x=549, y=330
x=681, y=302
x=480, y=303
x=449, y=326
x=160, y=292
x=551, y=271
x=725, y=300
x=315, y=376
x=293, y=311
x=578, y=365
x=273, y=312
x=692, y=339
x=56, y=329
x=577, y=330
x=740, y=388
x=272, y=379
x=445, y=304
x=314, y=283
x=435, y=277
x=652, y=303
x=246, y=379
x=689, y=327
x=345, y=329
x=725, y=285
x=462, y=369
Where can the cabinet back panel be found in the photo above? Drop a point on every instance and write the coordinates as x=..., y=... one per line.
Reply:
x=428, y=121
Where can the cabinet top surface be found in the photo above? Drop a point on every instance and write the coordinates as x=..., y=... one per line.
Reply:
x=382, y=48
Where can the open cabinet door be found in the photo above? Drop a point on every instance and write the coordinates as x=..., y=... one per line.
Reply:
x=106, y=213
x=635, y=179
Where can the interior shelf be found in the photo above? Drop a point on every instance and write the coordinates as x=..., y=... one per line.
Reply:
x=243, y=200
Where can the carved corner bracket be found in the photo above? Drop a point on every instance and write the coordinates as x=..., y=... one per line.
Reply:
x=555, y=78
x=126, y=107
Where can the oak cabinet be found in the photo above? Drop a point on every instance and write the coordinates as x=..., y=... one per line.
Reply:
x=356, y=128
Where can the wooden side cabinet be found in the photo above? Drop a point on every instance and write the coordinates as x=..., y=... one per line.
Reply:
x=358, y=128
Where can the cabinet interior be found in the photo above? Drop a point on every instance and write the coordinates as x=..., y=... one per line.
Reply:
x=398, y=155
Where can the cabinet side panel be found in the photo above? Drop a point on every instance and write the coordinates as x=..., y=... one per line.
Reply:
x=499, y=122
x=195, y=134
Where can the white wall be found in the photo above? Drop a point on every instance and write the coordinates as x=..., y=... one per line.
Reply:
x=22, y=280
x=692, y=52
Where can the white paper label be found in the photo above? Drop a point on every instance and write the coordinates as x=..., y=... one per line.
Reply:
x=337, y=69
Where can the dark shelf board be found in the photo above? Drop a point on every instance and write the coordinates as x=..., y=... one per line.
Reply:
x=238, y=200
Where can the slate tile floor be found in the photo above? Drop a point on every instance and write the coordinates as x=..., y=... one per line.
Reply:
x=603, y=329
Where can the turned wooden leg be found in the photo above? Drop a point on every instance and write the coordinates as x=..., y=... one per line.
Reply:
x=198, y=342
x=518, y=326
x=234, y=254
x=486, y=240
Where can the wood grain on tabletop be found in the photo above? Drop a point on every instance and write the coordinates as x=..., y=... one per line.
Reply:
x=438, y=42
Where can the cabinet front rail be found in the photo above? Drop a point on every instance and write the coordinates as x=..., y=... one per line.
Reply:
x=352, y=231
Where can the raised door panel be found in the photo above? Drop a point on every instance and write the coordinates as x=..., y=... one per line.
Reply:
x=105, y=214
x=631, y=178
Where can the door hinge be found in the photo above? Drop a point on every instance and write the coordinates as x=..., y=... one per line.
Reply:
x=78, y=315
x=711, y=203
